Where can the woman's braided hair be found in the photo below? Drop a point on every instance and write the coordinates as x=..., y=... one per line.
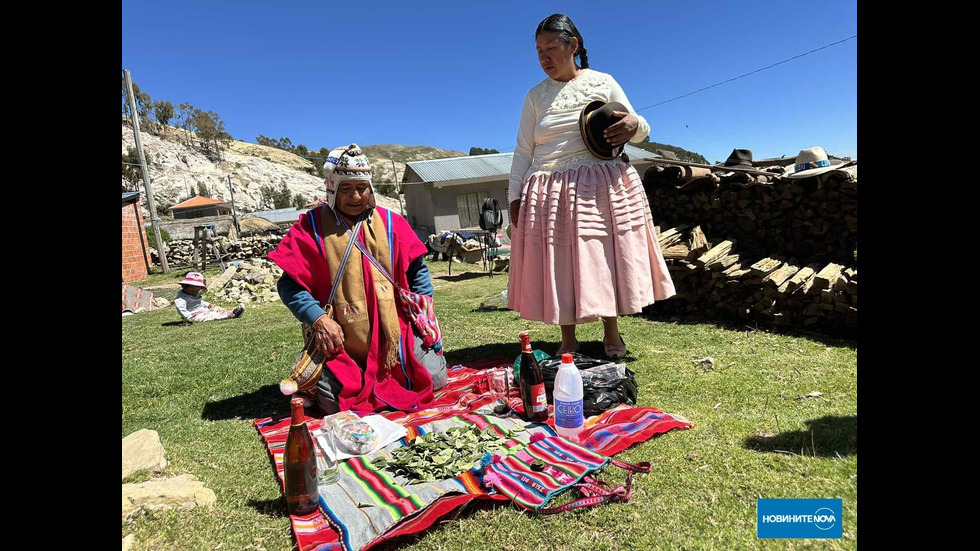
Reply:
x=562, y=24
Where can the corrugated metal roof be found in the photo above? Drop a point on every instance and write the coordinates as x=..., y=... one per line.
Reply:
x=639, y=153
x=463, y=168
x=483, y=166
x=128, y=196
x=290, y=214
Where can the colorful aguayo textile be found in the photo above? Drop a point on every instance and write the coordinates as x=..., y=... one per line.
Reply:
x=135, y=298
x=368, y=505
x=531, y=476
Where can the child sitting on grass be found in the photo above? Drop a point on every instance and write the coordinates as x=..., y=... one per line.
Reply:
x=193, y=309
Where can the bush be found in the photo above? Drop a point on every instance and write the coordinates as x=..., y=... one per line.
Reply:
x=151, y=238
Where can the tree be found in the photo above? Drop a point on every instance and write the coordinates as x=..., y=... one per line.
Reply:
x=142, y=99
x=299, y=201
x=265, y=140
x=164, y=111
x=270, y=197
x=209, y=128
x=202, y=190
x=143, y=104
x=131, y=168
x=186, y=113
x=481, y=151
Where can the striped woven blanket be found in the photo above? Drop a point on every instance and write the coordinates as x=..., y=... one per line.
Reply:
x=369, y=505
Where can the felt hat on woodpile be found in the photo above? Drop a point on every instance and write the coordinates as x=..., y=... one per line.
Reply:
x=811, y=162
x=740, y=158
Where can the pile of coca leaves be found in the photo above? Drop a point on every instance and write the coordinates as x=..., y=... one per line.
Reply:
x=437, y=456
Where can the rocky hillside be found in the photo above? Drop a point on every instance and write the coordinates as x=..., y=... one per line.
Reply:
x=382, y=156
x=176, y=167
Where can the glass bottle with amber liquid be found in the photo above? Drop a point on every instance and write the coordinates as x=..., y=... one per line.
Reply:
x=299, y=463
x=533, y=395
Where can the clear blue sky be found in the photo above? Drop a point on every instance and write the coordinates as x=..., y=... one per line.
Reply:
x=453, y=74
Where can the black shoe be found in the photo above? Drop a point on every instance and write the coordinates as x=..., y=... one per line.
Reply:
x=238, y=310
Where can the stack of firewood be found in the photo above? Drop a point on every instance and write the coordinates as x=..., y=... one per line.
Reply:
x=720, y=281
x=810, y=218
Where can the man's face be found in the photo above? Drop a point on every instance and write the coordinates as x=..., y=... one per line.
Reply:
x=353, y=197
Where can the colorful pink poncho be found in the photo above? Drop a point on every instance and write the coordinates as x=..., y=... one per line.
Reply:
x=369, y=387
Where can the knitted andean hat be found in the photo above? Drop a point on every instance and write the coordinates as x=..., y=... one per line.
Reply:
x=343, y=164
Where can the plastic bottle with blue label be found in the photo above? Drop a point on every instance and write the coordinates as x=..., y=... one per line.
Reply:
x=568, y=398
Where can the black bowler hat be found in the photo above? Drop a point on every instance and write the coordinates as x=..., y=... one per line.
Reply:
x=739, y=158
x=594, y=119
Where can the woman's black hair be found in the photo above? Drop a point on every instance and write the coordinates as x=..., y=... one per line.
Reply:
x=562, y=24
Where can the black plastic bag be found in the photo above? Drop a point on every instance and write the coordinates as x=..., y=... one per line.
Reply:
x=605, y=384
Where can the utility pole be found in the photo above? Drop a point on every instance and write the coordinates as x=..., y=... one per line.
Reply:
x=234, y=214
x=150, y=202
x=398, y=188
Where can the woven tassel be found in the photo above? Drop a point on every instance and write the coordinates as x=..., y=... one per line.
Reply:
x=491, y=480
x=391, y=352
x=537, y=437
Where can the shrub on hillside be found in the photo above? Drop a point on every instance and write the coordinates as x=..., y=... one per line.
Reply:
x=151, y=238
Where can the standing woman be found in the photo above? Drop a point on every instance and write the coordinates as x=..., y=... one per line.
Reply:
x=584, y=245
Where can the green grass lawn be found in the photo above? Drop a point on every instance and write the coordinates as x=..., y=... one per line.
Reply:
x=200, y=387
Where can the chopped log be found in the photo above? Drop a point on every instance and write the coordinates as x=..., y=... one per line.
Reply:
x=827, y=296
x=679, y=251
x=765, y=266
x=699, y=243
x=799, y=278
x=718, y=251
x=671, y=236
x=723, y=263
x=776, y=278
x=735, y=272
x=826, y=277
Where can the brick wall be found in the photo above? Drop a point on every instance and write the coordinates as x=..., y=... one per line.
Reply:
x=135, y=249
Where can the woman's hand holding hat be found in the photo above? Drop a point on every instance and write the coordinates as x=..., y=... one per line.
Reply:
x=621, y=132
x=329, y=336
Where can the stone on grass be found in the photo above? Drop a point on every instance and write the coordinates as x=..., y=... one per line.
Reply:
x=142, y=451
x=183, y=491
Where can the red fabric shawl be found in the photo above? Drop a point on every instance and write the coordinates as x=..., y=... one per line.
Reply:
x=366, y=388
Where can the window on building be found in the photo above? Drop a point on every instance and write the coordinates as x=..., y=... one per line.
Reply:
x=468, y=206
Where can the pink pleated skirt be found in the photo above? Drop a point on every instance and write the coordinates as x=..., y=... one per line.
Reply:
x=585, y=247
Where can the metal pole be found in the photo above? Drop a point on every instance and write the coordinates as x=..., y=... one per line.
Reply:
x=150, y=202
x=234, y=214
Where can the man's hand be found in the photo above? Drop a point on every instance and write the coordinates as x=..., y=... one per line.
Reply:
x=329, y=336
x=515, y=212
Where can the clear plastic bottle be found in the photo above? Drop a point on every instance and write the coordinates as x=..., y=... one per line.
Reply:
x=568, y=398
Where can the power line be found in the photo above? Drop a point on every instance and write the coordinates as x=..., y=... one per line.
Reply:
x=747, y=74
x=731, y=79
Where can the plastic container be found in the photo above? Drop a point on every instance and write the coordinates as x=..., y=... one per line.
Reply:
x=568, y=398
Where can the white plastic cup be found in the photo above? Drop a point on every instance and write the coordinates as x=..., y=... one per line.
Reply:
x=569, y=417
